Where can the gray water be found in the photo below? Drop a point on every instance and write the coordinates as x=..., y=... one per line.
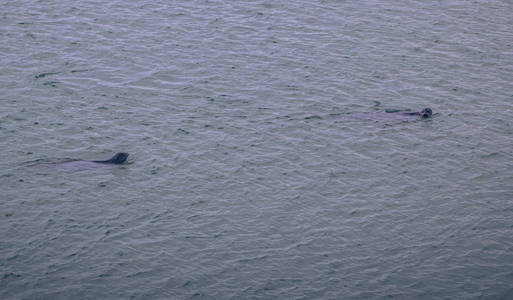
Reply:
x=240, y=182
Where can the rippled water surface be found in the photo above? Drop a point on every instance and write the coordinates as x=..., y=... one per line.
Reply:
x=250, y=175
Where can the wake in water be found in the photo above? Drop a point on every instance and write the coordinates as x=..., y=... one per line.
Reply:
x=76, y=164
x=387, y=115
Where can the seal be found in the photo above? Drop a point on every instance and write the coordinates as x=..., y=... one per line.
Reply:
x=78, y=165
x=425, y=113
x=390, y=115
x=75, y=164
x=117, y=159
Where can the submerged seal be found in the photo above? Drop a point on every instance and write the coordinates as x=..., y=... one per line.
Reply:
x=425, y=113
x=117, y=159
x=389, y=115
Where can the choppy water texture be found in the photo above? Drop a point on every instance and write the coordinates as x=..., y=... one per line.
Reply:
x=241, y=184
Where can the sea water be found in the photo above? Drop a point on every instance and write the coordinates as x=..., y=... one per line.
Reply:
x=240, y=182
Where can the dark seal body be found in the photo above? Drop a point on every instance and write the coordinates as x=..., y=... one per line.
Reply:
x=425, y=113
x=117, y=159
x=390, y=115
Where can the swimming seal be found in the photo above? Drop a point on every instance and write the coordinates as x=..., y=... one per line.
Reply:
x=389, y=115
x=117, y=159
x=425, y=113
x=74, y=164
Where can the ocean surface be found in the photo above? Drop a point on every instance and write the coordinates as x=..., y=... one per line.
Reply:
x=250, y=175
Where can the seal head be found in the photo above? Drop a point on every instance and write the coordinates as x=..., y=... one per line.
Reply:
x=117, y=159
x=426, y=113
